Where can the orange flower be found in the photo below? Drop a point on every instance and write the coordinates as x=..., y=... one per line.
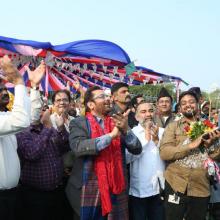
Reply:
x=187, y=128
x=208, y=123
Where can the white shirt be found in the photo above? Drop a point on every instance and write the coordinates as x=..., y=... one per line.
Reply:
x=146, y=168
x=11, y=123
x=66, y=124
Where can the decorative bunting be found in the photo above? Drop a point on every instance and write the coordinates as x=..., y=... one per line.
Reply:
x=65, y=65
x=139, y=73
x=49, y=59
x=154, y=82
x=147, y=78
x=105, y=69
x=121, y=76
x=94, y=67
x=115, y=70
x=130, y=68
x=111, y=75
x=131, y=78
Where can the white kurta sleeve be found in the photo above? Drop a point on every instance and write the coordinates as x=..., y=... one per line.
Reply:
x=19, y=118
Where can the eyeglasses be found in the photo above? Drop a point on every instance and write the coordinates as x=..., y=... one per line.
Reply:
x=101, y=96
x=62, y=100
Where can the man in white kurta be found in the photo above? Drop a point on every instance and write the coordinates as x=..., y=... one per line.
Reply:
x=11, y=123
x=146, y=169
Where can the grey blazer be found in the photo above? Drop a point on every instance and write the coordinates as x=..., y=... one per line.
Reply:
x=82, y=145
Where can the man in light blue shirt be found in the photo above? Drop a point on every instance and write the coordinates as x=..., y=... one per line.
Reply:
x=146, y=169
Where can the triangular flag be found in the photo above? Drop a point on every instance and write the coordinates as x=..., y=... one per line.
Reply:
x=49, y=59
x=130, y=68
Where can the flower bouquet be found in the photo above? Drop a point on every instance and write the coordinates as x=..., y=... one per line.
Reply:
x=195, y=130
x=198, y=128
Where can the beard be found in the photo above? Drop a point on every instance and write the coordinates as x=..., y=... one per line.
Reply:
x=147, y=122
x=190, y=114
x=128, y=99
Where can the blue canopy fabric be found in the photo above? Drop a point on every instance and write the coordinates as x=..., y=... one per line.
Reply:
x=92, y=62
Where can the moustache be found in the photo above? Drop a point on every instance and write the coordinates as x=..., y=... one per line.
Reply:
x=128, y=96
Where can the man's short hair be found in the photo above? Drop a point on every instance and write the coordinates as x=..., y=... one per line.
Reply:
x=188, y=93
x=89, y=96
x=143, y=102
x=61, y=91
x=117, y=86
x=134, y=99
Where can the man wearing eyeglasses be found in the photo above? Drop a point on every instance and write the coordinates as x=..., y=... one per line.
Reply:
x=97, y=185
x=61, y=100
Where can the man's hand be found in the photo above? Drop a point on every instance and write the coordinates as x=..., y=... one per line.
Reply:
x=213, y=136
x=121, y=121
x=59, y=120
x=11, y=74
x=76, y=84
x=196, y=143
x=36, y=76
x=68, y=86
x=115, y=133
x=154, y=134
x=45, y=119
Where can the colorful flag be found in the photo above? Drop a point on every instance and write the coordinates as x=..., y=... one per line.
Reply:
x=130, y=68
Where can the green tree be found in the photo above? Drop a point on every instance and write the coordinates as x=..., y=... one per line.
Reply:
x=215, y=98
x=151, y=92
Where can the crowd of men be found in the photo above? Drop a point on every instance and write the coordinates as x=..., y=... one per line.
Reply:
x=115, y=157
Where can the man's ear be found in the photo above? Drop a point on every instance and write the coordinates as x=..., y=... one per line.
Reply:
x=114, y=97
x=90, y=105
x=136, y=116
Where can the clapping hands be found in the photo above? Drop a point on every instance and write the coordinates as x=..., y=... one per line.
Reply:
x=10, y=72
x=36, y=76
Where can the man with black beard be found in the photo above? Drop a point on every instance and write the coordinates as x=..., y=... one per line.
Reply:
x=121, y=97
x=187, y=186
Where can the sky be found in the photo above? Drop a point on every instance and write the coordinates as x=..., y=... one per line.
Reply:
x=174, y=37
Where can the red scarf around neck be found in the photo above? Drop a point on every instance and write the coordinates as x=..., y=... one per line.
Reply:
x=108, y=164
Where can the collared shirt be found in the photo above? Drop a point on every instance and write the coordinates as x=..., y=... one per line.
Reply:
x=11, y=123
x=66, y=124
x=40, y=150
x=182, y=173
x=146, y=168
